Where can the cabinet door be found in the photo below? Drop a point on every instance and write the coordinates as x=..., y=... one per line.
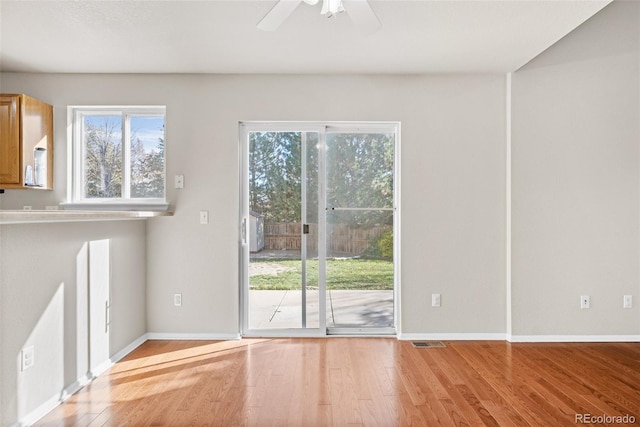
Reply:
x=37, y=132
x=10, y=152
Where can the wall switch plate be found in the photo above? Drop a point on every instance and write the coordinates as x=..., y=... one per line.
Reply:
x=27, y=357
x=435, y=300
x=179, y=181
x=585, y=301
x=177, y=300
x=627, y=301
x=204, y=217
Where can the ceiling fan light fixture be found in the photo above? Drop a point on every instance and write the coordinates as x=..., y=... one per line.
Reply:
x=361, y=14
x=331, y=8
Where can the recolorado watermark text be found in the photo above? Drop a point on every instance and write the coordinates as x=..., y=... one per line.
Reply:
x=604, y=419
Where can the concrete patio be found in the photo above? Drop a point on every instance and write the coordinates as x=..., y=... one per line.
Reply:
x=345, y=308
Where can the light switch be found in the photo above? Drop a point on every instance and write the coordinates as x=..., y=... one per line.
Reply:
x=179, y=181
x=204, y=217
x=435, y=300
x=28, y=358
x=585, y=301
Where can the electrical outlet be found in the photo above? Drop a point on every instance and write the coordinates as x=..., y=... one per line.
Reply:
x=27, y=358
x=179, y=181
x=177, y=300
x=204, y=217
x=26, y=208
x=627, y=301
x=585, y=301
x=435, y=300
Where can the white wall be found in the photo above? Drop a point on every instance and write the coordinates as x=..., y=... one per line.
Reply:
x=453, y=184
x=44, y=304
x=576, y=181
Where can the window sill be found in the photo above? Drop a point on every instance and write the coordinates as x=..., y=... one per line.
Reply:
x=31, y=217
x=116, y=206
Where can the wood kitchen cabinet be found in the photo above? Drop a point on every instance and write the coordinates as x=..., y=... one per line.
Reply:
x=26, y=143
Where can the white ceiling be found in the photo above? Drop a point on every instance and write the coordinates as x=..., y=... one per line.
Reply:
x=213, y=36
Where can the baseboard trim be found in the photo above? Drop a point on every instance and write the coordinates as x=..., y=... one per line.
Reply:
x=128, y=349
x=573, y=338
x=454, y=337
x=75, y=387
x=48, y=406
x=195, y=337
x=101, y=368
x=42, y=410
x=518, y=338
x=107, y=364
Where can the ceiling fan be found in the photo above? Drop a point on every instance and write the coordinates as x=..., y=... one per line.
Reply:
x=358, y=10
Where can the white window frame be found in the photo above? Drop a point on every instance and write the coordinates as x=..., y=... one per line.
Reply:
x=75, y=158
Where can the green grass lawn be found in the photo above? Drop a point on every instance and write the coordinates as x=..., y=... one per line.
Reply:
x=350, y=273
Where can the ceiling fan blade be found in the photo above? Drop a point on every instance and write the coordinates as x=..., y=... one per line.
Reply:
x=362, y=15
x=278, y=14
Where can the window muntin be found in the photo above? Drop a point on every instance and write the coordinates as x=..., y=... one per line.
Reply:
x=119, y=155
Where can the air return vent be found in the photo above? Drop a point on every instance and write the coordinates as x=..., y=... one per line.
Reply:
x=428, y=344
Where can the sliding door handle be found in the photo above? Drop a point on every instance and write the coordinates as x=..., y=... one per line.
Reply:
x=244, y=231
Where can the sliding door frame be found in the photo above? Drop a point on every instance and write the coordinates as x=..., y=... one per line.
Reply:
x=322, y=128
x=245, y=129
x=368, y=128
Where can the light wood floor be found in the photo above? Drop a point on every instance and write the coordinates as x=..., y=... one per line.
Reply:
x=358, y=381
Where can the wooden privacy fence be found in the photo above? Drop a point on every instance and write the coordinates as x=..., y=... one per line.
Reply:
x=341, y=238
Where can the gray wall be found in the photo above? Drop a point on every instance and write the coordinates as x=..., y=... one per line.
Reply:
x=44, y=304
x=575, y=197
x=575, y=200
x=453, y=184
x=576, y=181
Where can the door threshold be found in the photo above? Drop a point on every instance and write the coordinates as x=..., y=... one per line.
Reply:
x=362, y=331
x=283, y=333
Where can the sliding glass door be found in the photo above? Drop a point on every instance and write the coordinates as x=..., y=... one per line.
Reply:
x=281, y=229
x=360, y=213
x=317, y=226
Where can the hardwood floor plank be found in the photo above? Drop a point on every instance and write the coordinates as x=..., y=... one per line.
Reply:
x=345, y=404
x=406, y=414
x=357, y=381
x=621, y=397
x=498, y=375
x=436, y=397
x=406, y=371
x=440, y=369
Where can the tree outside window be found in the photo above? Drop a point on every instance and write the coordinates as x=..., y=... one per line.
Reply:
x=123, y=154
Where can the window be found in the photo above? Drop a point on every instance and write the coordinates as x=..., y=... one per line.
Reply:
x=118, y=157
